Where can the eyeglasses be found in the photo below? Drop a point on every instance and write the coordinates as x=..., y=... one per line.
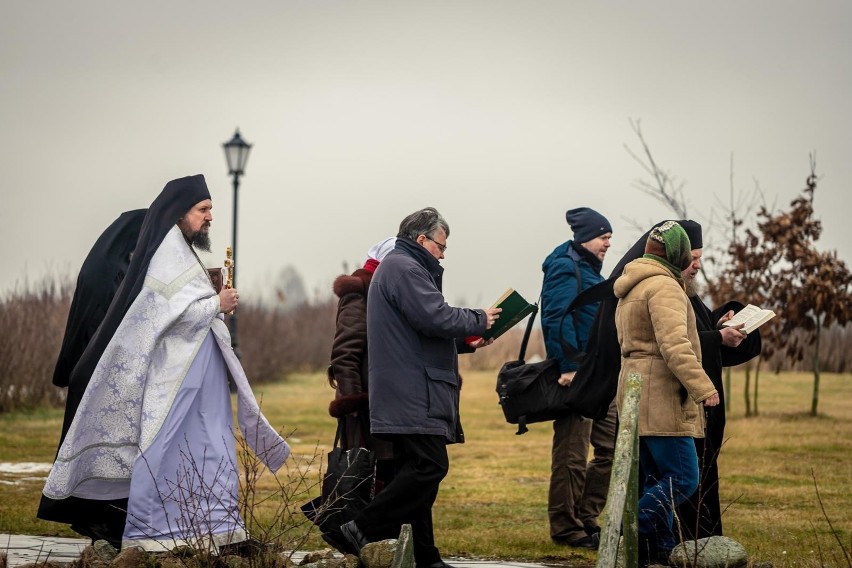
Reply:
x=442, y=248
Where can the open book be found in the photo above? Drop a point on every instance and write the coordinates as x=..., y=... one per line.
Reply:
x=752, y=316
x=515, y=308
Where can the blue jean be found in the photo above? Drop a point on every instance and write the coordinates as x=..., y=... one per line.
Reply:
x=670, y=467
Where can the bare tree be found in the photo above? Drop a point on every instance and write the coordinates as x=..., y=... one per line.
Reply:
x=741, y=275
x=665, y=188
x=809, y=289
x=670, y=191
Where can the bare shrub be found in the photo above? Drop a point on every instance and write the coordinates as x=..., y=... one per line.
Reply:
x=267, y=507
x=835, y=352
x=274, y=342
x=269, y=502
x=33, y=322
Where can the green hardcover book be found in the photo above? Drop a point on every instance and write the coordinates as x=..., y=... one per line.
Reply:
x=515, y=308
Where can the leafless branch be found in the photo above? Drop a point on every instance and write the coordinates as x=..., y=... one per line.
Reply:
x=665, y=188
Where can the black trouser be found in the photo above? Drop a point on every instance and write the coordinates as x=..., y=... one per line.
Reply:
x=421, y=463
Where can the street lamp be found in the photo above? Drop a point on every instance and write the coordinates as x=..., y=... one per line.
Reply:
x=236, y=154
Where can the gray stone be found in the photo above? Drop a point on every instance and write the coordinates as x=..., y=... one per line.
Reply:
x=379, y=554
x=404, y=556
x=284, y=561
x=90, y=558
x=48, y=564
x=130, y=558
x=183, y=551
x=712, y=552
x=316, y=556
x=104, y=550
x=347, y=561
x=172, y=562
x=350, y=561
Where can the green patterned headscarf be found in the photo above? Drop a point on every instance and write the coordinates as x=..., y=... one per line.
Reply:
x=669, y=245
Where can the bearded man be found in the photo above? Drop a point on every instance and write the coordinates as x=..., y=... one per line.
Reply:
x=701, y=515
x=149, y=458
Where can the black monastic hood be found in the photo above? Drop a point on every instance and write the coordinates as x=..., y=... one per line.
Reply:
x=99, y=278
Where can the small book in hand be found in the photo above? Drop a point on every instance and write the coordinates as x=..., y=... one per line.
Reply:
x=515, y=308
x=217, y=278
x=752, y=316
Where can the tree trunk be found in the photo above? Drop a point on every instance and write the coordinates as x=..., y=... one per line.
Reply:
x=815, y=397
x=756, y=379
x=756, y=383
x=747, y=396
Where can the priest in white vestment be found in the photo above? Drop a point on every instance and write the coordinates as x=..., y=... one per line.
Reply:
x=150, y=459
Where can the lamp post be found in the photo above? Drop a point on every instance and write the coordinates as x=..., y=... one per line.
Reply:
x=236, y=154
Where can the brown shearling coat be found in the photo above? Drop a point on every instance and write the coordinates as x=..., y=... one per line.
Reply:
x=659, y=340
x=349, y=364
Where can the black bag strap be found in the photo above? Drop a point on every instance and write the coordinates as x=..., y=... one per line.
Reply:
x=569, y=350
x=572, y=353
x=340, y=434
x=591, y=295
x=527, y=331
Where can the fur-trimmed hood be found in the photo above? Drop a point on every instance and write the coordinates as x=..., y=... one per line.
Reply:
x=356, y=283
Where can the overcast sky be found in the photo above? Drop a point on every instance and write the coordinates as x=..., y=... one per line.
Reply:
x=500, y=114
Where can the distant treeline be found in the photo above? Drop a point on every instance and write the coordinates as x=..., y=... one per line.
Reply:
x=272, y=342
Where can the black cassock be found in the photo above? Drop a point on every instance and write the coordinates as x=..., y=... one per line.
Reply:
x=701, y=515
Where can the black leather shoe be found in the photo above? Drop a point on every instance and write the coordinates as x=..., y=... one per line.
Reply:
x=591, y=529
x=354, y=536
x=591, y=542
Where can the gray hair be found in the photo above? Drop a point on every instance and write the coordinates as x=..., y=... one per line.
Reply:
x=423, y=222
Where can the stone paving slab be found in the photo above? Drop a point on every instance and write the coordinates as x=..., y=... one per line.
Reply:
x=25, y=549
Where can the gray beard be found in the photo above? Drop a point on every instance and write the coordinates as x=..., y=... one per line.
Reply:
x=691, y=288
x=201, y=241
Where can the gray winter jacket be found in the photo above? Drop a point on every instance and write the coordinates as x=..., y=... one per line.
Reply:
x=412, y=334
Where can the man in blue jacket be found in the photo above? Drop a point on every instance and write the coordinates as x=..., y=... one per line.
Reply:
x=577, y=489
x=413, y=339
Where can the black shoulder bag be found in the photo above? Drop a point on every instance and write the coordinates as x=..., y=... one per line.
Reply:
x=530, y=392
x=347, y=487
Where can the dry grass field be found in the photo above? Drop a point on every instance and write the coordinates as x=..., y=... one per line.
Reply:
x=493, y=503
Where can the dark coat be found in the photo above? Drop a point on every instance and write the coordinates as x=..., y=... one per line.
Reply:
x=715, y=356
x=559, y=288
x=349, y=365
x=98, y=280
x=412, y=333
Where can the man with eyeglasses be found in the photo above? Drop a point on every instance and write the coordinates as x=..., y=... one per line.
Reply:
x=413, y=339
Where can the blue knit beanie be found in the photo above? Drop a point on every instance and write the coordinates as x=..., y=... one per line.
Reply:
x=587, y=224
